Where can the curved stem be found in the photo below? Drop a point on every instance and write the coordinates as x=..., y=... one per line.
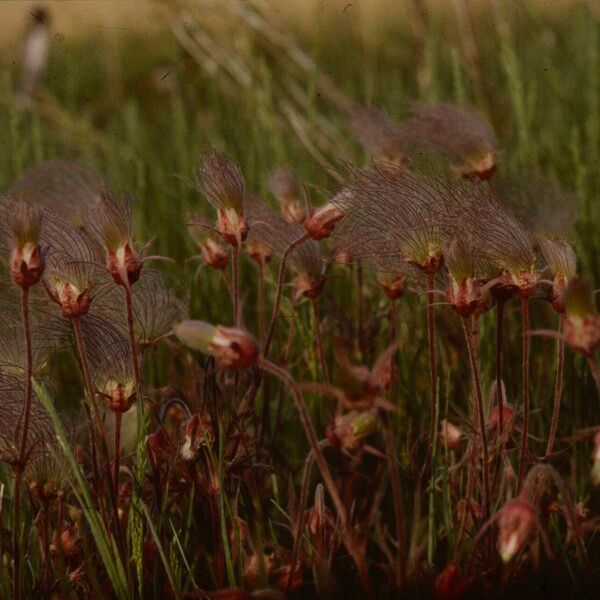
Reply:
x=354, y=548
x=319, y=340
x=525, y=340
x=279, y=291
x=22, y=444
x=480, y=416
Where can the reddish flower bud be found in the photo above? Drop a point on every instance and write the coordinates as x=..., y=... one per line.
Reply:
x=27, y=265
x=321, y=222
x=213, y=254
x=118, y=396
x=72, y=301
x=469, y=509
x=232, y=226
x=259, y=251
x=464, y=297
x=508, y=414
x=69, y=541
x=516, y=524
x=233, y=348
x=307, y=284
x=124, y=265
x=582, y=323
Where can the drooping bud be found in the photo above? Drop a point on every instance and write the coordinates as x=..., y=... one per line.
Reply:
x=508, y=414
x=450, y=434
x=233, y=348
x=307, y=284
x=482, y=166
x=320, y=223
x=232, y=226
x=516, y=524
x=259, y=251
x=213, y=254
x=582, y=323
x=26, y=257
x=560, y=258
x=286, y=188
x=349, y=431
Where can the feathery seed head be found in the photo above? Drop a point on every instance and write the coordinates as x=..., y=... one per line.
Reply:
x=320, y=223
x=220, y=179
x=233, y=348
x=450, y=434
x=73, y=302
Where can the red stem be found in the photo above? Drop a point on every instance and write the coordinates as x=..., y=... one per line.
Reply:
x=499, y=391
x=525, y=340
x=319, y=340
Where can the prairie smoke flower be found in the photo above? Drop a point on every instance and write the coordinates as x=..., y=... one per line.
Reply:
x=508, y=416
x=221, y=181
x=582, y=323
x=350, y=430
x=560, y=258
x=450, y=434
x=68, y=542
x=456, y=134
x=287, y=190
x=212, y=252
x=264, y=225
x=112, y=223
x=516, y=524
x=233, y=348
x=22, y=222
x=321, y=221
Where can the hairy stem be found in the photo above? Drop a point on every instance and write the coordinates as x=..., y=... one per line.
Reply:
x=525, y=340
x=558, y=381
x=24, y=430
x=393, y=337
x=319, y=340
x=279, y=291
x=360, y=308
x=499, y=391
x=471, y=342
x=595, y=369
x=235, y=289
x=353, y=547
x=118, y=420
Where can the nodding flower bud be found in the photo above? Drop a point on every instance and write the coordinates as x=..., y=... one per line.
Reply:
x=72, y=301
x=450, y=434
x=233, y=348
x=320, y=223
x=259, y=251
x=26, y=258
x=124, y=265
x=197, y=432
x=307, y=284
x=232, y=226
x=393, y=286
x=349, y=431
x=481, y=166
x=508, y=415
x=213, y=254
x=582, y=323
x=118, y=396
x=516, y=524
x=464, y=297
x=556, y=293
x=524, y=282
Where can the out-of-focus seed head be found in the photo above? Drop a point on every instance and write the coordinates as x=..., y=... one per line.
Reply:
x=560, y=258
x=320, y=223
x=308, y=285
x=516, y=524
x=393, y=286
x=27, y=259
x=450, y=435
x=349, y=431
x=233, y=348
x=286, y=188
x=259, y=251
x=222, y=183
x=67, y=541
x=197, y=433
x=582, y=323
x=468, y=509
